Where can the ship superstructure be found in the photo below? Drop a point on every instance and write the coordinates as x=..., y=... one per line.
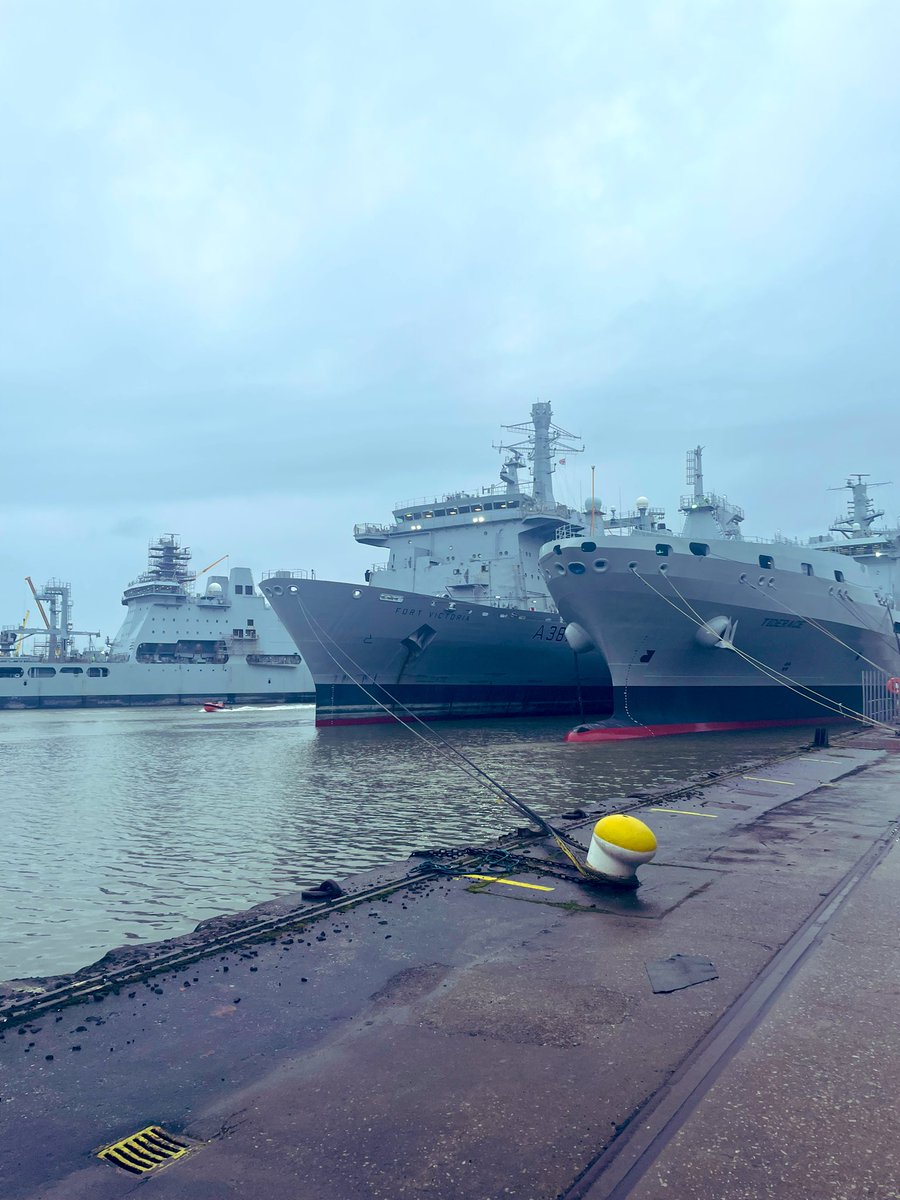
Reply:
x=177, y=645
x=458, y=621
x=858, y=535
x=709, y=630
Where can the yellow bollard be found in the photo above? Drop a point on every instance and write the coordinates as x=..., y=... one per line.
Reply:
x=618, y=847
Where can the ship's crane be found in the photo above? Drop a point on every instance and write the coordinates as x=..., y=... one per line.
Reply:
x=210, y=567
x=37, y=601
x=59, y=630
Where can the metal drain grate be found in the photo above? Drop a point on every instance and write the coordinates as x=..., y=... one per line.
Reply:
x=145, y=1150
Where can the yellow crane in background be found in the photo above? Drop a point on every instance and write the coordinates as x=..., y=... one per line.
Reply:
x=18, y=646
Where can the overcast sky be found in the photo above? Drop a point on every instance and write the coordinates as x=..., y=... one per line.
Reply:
x=270, y=267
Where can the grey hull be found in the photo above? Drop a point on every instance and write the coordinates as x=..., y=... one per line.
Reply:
x=378, y=655
x=795, y=648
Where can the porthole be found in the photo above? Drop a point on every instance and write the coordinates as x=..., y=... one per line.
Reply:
x=589, y=547
x=601, y=564
x=557, y=550
x=560, y=569
x=576, y=568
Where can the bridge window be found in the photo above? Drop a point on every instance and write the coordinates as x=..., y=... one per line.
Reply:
x=589, y=547
x=663, y=549
x=699, y=548
x=98, y=672
x=839, y=576
x=42, y=672
x=71, y=671
x=11, y=672
x=767, y=562
x=807, y=569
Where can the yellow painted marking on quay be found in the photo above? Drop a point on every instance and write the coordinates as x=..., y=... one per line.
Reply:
x=762, y=779
x=685, y=812
x=536, y=887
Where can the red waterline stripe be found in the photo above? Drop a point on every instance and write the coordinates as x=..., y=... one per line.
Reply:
x=621, y=733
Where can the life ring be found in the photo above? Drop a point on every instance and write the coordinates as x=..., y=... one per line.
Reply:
x=893, y=685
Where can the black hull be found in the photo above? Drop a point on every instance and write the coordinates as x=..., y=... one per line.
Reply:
x=348, y=704
x=661, y=711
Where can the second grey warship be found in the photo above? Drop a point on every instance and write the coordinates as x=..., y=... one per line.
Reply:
x=708, y=630
x=459, y=621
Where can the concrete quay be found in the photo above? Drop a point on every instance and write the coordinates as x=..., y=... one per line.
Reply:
x=448, y=1037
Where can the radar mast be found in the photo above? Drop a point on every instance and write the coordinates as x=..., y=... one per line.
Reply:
x=542, y=443
x=861, y=510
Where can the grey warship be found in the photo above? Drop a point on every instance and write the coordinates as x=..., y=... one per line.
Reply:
x=458, y=622
x=709, y=630
x=177, y=645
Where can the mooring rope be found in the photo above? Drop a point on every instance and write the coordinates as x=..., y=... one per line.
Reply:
x=439, y=744
x=804, y=691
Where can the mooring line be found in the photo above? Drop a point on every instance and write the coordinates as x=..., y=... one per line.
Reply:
x=97, y=985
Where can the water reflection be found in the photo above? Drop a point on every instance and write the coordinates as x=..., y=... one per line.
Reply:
x=138, y=824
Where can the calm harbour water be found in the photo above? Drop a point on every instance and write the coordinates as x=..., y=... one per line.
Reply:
x=137, y=824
